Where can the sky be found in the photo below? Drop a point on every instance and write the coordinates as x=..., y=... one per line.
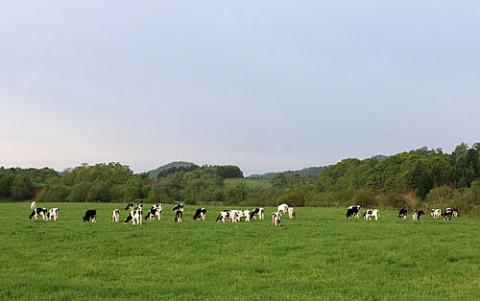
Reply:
x=267, y=85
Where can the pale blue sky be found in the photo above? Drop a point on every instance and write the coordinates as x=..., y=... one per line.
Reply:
x=265, y=85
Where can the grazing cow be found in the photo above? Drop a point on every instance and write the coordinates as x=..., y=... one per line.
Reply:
x=39, y=212
x=115, y=215
x=416, y=214
x=154, y=213
x=435, y=213
x=243, y=214
x=129, y=206
x=33, y=205
x=200, y=214
x=291, y=212
x=402, y=214
x=353, y=210
x=371, y=213
x=276, y=218
x=135, y=216
x=260, y=212
x=283, y=208
x=178, y=213
x=53, y=214
x=228, y=216
x=90, y=215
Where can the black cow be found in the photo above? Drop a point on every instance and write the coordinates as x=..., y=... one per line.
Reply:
x=353, y=210
x=90, y=215
x=402, y=214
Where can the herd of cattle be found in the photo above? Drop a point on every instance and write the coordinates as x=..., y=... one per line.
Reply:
x=447, y=214
x=135, y=214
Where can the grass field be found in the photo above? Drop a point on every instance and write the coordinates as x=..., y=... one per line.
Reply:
x=317, y=256
x=249, y=183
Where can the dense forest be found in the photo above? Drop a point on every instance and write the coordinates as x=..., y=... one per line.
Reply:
x=419, y=178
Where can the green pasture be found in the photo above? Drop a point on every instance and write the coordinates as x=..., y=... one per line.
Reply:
x=249, y=183
x=320, y=255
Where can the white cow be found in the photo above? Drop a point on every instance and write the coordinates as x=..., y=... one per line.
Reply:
x=291, y=212
x=372, y=213
x=283, y=208
x=115, y=215
x=276, y=218
x=435, y=213
x=33, y=205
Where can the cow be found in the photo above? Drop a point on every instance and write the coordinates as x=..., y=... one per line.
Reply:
x=39, y=212
x=416, y=214
x=283, y=208
x=353, y=210
x=402, y=214
x=178, y=213
x=435, y=213
x=33, y=205
x=245, y=214
x=135, y=216
x=260, y=212
x=129, y=206
x=53, y=214
x=228, y=216
x=291, y=212
x=154, y=213
x=447, y=214
x=90, y=215
x=276, y=218
x=115, y=215
x=157, y=206
x=200, y=214
x=371, y=213
x=454, y=212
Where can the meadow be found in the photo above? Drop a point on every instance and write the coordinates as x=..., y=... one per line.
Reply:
x=320, y=255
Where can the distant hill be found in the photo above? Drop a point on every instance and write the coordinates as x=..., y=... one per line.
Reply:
x=154, y=173
x=316, y=171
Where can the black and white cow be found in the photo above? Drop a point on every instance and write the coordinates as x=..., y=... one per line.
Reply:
x=447, y=214
x=354, y=211
x=39, y=212
x=260, y=212
x=178, y=213
x=53, y=214
x=371, y=213
x=129, y=206
x=200, y=214
x=115, y=215
x=435, y=213
x=228, y=216
x=135, y=217
x=402, y=214
x=416, y=214
x=154, y=213
x=276, y=218
x=90, y=215
x=454, y=212
x=245, y=214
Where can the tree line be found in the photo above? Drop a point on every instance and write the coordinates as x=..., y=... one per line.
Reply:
x=419, y=178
